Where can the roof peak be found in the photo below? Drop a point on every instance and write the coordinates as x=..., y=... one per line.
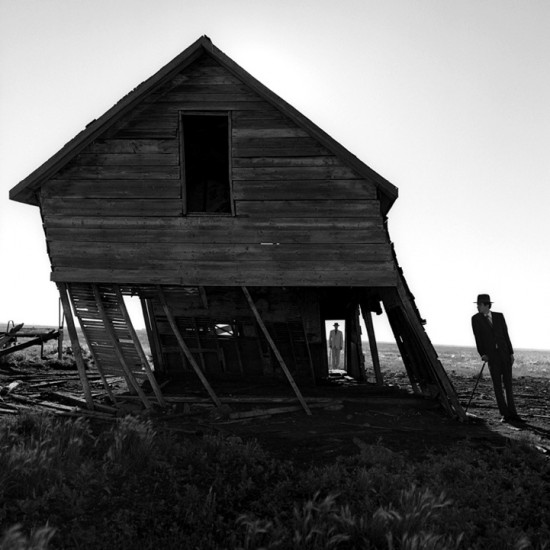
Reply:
x=26, y=190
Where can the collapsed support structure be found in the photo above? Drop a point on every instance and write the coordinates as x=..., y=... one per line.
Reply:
x=240, y=225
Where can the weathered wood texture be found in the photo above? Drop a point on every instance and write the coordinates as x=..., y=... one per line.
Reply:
x=302, y=217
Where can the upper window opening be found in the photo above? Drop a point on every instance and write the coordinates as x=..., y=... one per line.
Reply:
x=206, y=163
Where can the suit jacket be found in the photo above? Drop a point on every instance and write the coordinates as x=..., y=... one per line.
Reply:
x=490, y=338
x=336, y=339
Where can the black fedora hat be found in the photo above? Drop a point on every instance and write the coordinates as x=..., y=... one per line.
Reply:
x=483, y=299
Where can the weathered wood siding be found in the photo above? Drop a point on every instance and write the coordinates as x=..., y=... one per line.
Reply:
x=302, y=217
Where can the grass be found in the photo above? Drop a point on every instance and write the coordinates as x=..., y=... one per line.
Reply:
x=66, y=484
x=63, y=485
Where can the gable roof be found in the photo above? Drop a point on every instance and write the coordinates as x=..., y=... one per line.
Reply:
x=25, y=191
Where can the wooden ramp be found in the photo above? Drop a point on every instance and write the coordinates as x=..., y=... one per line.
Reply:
x=110, y=336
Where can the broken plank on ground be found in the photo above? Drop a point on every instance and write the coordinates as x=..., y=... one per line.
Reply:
x=278, y=410
x=82, y=403
x=235, y=400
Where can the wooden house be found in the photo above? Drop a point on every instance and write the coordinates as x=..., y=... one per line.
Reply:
x=239, y=223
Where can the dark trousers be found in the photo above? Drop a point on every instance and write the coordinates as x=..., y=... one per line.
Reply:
x=500, y=367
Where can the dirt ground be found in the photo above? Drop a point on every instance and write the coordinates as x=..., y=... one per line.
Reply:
x=345, y=416
x=361, y=415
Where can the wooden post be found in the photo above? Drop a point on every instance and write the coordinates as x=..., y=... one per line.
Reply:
x=355, y=358
x=441, y=378
x=276, y=351
x=62, y=287
x=156, y=351
x=204, y=297
x=139, y=348
x=311, y=368
x=185, y=349
x=98, y=366
x=367, y=317
x=117, y=349
x=61, y=319
x=199, y=344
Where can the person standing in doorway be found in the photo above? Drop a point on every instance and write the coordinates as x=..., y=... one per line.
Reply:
x=335, y=343
x=494, y=345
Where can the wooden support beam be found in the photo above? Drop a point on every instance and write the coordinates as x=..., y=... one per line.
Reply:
x=139, y=348
x=449, y=398
x=99, y=368
x=39, y=340
x=77, y=351
x=276, y=351
x=199, y=344
x=129, y=375
x=204, y=297
x=354, y=352
x=402, y=338
x=367, y=317
x=309, y=358
x=185, y=349
x=150, y=326
x=60, y=337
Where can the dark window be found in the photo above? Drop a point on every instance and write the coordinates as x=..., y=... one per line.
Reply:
x=206, y=163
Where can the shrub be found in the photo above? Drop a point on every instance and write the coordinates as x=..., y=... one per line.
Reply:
x=129, y=487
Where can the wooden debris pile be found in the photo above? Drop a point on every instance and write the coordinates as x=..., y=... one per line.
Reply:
x=10, y=339
x=54, y=393
x=60, y=393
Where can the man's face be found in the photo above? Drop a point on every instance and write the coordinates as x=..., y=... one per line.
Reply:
x=483, y=308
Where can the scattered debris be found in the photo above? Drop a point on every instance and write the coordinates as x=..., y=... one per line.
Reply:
x=34, y=337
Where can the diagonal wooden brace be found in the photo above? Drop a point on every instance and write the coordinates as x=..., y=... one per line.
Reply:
x=276, y=351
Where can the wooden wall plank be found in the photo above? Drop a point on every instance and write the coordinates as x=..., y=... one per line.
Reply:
x=230, y=277
x=139, y=253
x=302, y=190
x=230, y=273
x=112, y=207
x=111, y=189
x=126, y=159
x=314, y=208
x=206, y=224
x=207, y=95
x=120, y=172
x=277, y=147
x=268, y=132
x=190, y=87
x=205, y=102
x=324, y=160
x=152, y=146
x=215, y=230
x=289, y=173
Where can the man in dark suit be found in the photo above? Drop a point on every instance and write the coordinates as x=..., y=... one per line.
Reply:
x=494, y=346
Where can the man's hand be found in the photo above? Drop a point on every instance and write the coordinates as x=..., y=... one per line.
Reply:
x=485, y=358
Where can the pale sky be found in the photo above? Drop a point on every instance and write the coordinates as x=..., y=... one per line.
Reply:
x=448, y=100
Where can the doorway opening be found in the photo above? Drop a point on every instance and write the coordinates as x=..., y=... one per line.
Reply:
x=336, y=344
